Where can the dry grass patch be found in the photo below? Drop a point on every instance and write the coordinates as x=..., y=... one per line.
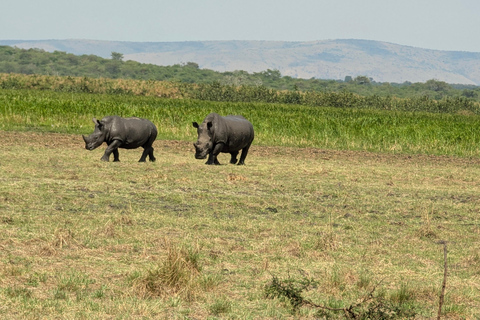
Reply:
x=176, y=274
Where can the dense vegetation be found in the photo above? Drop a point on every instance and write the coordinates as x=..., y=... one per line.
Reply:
x=229, y=93
x=275, y=124
x=35, y=61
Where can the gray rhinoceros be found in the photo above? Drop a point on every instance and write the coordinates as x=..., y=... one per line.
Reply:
x=126, y=133
x=228, y=134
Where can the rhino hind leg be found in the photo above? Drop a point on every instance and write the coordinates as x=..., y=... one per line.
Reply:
x=151, y=157
x=147, y=151
x=234, y=159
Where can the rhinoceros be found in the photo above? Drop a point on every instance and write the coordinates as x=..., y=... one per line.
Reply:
x=228, y=134
x=126, y=133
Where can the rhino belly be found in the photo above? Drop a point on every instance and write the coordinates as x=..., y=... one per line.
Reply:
x=135, y=136
x=236, y=144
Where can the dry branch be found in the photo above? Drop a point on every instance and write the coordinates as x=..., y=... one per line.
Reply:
x=442, y=294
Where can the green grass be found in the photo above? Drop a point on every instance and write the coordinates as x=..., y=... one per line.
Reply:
x=178, y=239
x=275, y=125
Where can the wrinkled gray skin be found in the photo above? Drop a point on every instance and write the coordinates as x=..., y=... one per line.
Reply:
x=126, y=133
x=228, y=134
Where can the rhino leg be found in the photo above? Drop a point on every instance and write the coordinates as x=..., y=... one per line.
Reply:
x=150, y=155
x=243, y=155
x=144, y=155
x=116, y=156
x=147, y=151
x=112, y=148
x=212, y=157
x=212, y=160
x=233, y=159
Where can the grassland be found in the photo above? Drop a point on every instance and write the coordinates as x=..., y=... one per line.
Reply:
x=323, y=203
x=86, y=239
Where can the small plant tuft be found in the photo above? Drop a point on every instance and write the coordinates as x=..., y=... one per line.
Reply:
x=17, y=292
x=369, y=307
x=426, y=230
x=403, y=295
x=176, y=275
x=220, y=306
x=288, y=290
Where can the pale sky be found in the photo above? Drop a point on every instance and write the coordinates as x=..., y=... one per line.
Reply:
x=432, y=24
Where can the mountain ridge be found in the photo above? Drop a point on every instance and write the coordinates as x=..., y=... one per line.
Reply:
x=322, y=59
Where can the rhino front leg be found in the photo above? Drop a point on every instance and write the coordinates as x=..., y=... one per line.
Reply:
x=212, y=157
x=112, y=148
x=116, y=156
x=212, y=160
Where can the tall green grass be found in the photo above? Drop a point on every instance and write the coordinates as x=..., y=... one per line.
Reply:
x=275, y=124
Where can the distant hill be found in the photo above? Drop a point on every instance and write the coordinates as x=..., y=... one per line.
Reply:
x=329, y=59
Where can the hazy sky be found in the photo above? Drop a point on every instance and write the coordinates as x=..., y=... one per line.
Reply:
x=432, y=24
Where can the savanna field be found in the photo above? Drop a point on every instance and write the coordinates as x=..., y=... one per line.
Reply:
x=335, y=210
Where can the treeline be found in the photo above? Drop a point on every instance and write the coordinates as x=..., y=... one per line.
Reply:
x=40, y=62
x=58, y=63
x=216, y=91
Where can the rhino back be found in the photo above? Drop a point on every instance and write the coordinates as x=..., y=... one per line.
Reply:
x=133, y=132
x=238, y=124
x=238, y=132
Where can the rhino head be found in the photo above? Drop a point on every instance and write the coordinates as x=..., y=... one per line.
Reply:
x=97, y=137
x=204, y=143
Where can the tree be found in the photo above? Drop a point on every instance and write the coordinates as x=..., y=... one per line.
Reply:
x=362, y=80
x=193, y=65
x=113, y=69
x=437, y=86
x=469, y=93
x=117, y=56
x=272, y=74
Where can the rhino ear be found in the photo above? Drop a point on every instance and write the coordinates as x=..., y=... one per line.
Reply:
x=98, y=123
x=195, y=125
x=209, y=125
